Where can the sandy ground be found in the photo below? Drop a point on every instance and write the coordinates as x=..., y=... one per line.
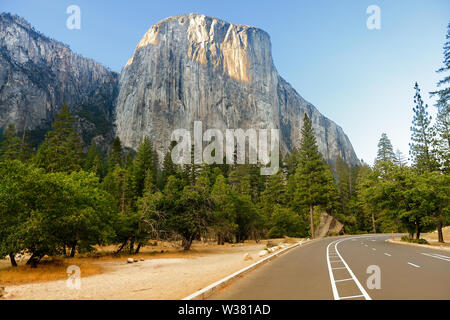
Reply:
x=158, y=278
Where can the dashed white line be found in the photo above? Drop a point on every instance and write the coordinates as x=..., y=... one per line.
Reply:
x=387, y=254
x=437, y=256
x=374, y=249
x=414, y=265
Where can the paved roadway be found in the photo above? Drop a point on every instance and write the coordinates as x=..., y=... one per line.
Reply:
x=336, y=268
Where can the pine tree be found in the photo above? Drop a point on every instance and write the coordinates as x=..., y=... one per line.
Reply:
x=399, y=158
x=385, y=151
x=93, y=162
x=422, y=137
x=442, y=125
x=144, y=164
x=115, y=156
x=310, y=177
x=61, y=150
x=11, y=145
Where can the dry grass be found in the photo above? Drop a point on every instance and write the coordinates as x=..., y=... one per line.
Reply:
x=47, y=270
x=432, y=237
x=91, y=264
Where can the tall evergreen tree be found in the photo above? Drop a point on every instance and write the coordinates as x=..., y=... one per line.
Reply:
x=385, y=151
x=11, y=144
x=144, y=164
x=93, y=162
x=61, y=150
x=310, y=177
x=422, y=136
x=399, y=159
x=442, y=125
x=115, y=155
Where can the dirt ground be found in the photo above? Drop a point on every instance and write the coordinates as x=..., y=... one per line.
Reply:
x=173, y=274
x=432, y=237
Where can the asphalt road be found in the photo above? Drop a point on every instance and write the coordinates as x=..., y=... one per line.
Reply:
x=347, y=268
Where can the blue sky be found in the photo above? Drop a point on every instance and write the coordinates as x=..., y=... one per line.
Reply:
x=362, y=79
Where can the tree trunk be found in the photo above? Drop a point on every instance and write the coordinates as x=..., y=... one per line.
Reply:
x=13, y=259
x=417, y=231
x=373, y=223
x=73, y=249
x=439, y=229
x=138, y=248
x=311, y=217
x=187, y=243
x=131, y=246
x=65, y=250
x=33, y=261
x=121, y=247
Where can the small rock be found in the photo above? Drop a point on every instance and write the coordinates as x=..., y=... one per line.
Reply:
x=135, y=260
x=142, y=259
x=262, y=253
x=162, y=251
x=247, y=257
x=130, y=260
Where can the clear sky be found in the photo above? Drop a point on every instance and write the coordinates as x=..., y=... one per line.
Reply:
x=362, y=79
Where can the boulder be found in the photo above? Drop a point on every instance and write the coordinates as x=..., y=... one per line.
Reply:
x=328, y=226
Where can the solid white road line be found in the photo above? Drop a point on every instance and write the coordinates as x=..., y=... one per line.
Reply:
x=387, y=254
x=351, y=297
x=414, y=265
x=437, y=256
x=353, y=277
x=360, y=287
x=330, y=271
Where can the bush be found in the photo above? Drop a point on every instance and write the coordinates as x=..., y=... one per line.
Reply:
x=408, y=239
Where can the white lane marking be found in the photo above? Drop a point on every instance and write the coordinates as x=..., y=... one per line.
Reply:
x=342, y=280
x=387, y=254
x=374, y=249
x=351, y=297
x=436, y=256
x=339, y=268
x=336, y=261
x=366, y=245
x=414, y=265
x=374, y=240
x=330, y=271
x=360, y=287
x=440, y=255
x=333, y=281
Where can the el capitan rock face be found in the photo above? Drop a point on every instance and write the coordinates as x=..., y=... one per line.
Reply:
x=39, y=74
x=194, y=67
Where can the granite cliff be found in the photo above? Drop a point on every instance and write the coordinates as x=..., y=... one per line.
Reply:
x=39, y=74
x=194, y=67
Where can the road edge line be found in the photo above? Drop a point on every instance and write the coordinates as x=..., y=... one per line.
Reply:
x=418, y=245
x=204, y=293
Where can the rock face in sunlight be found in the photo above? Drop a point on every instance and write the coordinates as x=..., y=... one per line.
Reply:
x=38, y=74
x=193, y=67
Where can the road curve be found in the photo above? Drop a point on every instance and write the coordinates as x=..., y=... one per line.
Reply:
x=347, y=268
